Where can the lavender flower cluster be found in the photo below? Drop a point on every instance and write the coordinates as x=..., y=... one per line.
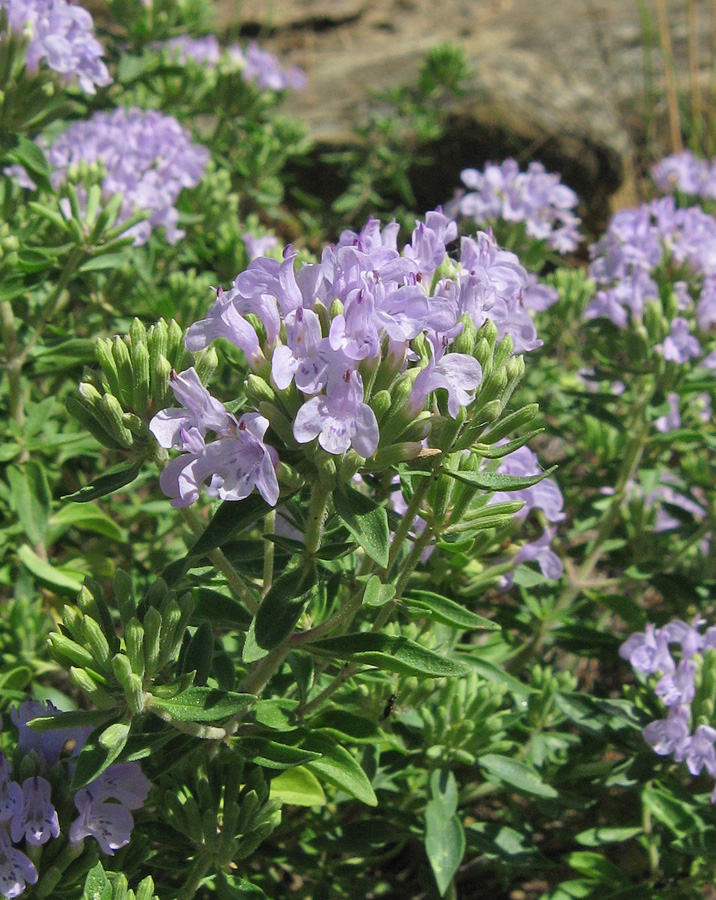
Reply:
x=30, y=815
x=257, y=66
x=62, y=34
x=148, y=158
x=686, y=173
x=686, y=688
x=534, y=197
x=323, y=339
x=639, y=241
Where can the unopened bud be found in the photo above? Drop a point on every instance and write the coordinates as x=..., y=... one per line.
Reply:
x=140, y=368
x=131, y=684
x=152, y=631
x=503, y=351
x=134, y=642
x=96, y=643
x=161, y=392
x=120, y=352
x=105, y=357
x=82, y=680
x=257, y=390
x=113, y=413
x=158, y=340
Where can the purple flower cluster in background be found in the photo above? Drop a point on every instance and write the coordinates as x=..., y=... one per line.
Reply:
x=62, y=34
x=534, y=197
x=148, y=158
x=327, y=326
x=683, y=734
x=260, y=67
x=686, y=173
x=27, y=809
x=625, y=262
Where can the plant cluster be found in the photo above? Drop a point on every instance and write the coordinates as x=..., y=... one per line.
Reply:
x=319, y=569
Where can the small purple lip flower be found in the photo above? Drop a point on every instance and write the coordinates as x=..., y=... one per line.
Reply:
x=224, y=320
x=199, y=411
x=16, y=870
x=339, y=419
x=62, y=34
x=264, y=68
x=669, y=736
x=239, y=464
x=456, y=373
x=648, y=651
x=700, y=753
x=124, y=782
x=37, y=820
x=304, y=357
x=48, y=744
x=680, y=346
x=10, y=791
x=672, y=420
x=678, y=688
x=110, y=824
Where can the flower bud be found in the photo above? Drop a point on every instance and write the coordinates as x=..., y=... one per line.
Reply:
x=103, y=352
x=656, y=325
x=258, y=390
x=152, y=632
x=176, y=342
x=205, y=364
x=68, y=652
x=161, y=392
x=124, y=596
x=120, y=352
x=82, y=680
x=95, y=641
x=140, y=369
x=503, y=351
x=134, y=642
x=465, y=342
x=158, y=340
x=112, y=413
x=131, y=684
x=380, y=403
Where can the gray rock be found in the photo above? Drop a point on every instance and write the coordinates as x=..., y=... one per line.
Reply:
x=556, y=80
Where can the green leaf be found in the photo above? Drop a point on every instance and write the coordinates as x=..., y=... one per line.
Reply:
x=107, y=261
x=340, y=768
x=85, y=519
x=376, y=593
x=105, y=484
x=517, y=774
x=366, y=521
x=344, y=724
x=33, y=160
x=596, y=866
x=97, y=885
x=671, y=812
x=298, y=787
x=102, y=748
x=30, y=497
x=444, y=838
x=60, y=580
x=391, y=653
x=281, y=608
x=229, y=518
x=78, y=718
x=495, y=481
x=596, y=837
x=440, y=609
x=16, y=678
x=275, y=755
x=202, y=704
x=232, y=887
x=219, y=609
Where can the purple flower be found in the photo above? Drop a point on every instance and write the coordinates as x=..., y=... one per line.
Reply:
x=540, y=551
x=202, y=50
x=62, y=34
x=257, y=247
x=264, y=68
x=121, y=781
x=544, y=495
x=648, y=651
x=534, y=197
x=686, y=173
x=236, y=464
x=339, y=419
x=700, y=752
x=671, y=421
x=456, y=373
x=225, y=320
x=200, y=411
x=110, y=824
x=48, y=744
x=16, y=870
x=36, y=820
x=669, y=736
x=148, y=158
x=10, y=791
x=305, y=356
x=678, y=688
x=680, y=345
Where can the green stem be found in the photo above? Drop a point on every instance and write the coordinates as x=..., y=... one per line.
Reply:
x=269, y=523
x=13, y=364
x=346, y=612
x=236, y=582
x=197, y=873
x=632, y=457
x=411, y=512
x=316, y=517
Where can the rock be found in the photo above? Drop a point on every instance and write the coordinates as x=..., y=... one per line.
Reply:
x=562, y=81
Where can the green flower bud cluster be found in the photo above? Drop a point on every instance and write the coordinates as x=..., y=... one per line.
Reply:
x=220, y=806
x=116, y=403
x=9, y=245
x=463, y=720
x=113, y=671
x=114, y=886
x=547, y=682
